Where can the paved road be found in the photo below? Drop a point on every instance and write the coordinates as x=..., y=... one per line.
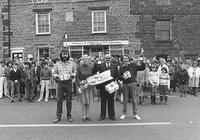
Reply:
x=179, y=120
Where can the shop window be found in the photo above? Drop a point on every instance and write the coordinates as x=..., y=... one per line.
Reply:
x=44, y=53
x=163, y=2
x=99, y=21
x=39, y=1
x=43, y=23
x=163, y=30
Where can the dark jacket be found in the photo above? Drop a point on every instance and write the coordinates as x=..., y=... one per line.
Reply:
x=113, y=72
x=15, y=75
x=132, y=68
x=182, y=77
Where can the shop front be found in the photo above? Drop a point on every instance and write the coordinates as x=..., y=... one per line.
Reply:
x=97, y=48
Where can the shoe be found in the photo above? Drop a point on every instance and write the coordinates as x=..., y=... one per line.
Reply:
x=112, y=118
x=57, y=120
x=101, y=118
x=12, y=101
x=69, y=119
x=84, y=119
x=46, y=100
x=88, y=119
x=122, y=117
x=137, y=117
x=39, y=100
x=20, y=100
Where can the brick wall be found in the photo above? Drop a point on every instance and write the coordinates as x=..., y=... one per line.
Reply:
x=121, y=25
x=185, y=19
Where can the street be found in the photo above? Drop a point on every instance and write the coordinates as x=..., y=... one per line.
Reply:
x=179, y=120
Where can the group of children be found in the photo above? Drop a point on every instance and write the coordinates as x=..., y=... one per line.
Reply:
x=23, y=80
x=161, y=78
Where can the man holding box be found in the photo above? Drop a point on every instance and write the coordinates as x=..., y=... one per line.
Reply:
x=63, y=73
x=105, y=95
x=128, y=74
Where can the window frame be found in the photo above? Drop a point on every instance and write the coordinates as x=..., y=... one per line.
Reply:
x=105, y=21
x=170, y=31
x=162, y=3
x=43, y=49
x=37, y=28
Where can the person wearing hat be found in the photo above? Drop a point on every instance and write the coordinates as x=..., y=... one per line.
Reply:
x=63, y=73
x=45, y=76
x=106, y=97
x=128, y=74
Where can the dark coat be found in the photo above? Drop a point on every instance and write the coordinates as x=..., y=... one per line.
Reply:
x=15, y=75
x=182, y=77
x=114, y=73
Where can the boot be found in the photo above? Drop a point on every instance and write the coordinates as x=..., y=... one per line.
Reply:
x=140, y=100
x=161, y=99
x=154, y=99
x=165, y=100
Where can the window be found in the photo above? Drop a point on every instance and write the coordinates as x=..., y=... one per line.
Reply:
x=162, y=2
x=163, y=30
x=99, y=22
x=43, y=23
x=5, y=15
x=39, y=1
x=5, y=28
x=5, y=39
x=44, y=53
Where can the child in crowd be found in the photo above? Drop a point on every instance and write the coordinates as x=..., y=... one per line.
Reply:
x=154, y=82
x=164, y=81
x=29, y=74
x=45, y=76
x=15, y=76
x=182, y=80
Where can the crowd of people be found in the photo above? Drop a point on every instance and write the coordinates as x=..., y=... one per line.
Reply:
x=62, y=78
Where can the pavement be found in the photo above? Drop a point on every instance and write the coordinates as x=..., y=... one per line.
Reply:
x=179, y=120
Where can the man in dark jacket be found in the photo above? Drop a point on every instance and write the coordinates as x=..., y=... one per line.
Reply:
x=105, y=95
x=128, y=74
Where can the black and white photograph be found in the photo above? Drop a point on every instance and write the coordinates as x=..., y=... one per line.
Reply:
x=100, y=70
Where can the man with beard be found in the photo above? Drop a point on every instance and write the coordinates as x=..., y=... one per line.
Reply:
x=105, y=95
x=63, y=73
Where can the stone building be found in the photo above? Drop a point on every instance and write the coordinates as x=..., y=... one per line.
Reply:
x=41, y=28
x=168, y=27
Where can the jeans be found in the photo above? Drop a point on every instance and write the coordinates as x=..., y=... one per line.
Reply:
x=15, y=87
x=44, y=85
x=131, y=89
x=64, y=92
x=3, y=87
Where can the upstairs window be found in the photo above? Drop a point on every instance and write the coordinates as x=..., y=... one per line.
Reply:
x=43, y=23
x=39, y=1
x=99, y=21
x=163, y=2
x=163, y=30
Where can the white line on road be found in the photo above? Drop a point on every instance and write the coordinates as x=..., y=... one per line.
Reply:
x=83, y=125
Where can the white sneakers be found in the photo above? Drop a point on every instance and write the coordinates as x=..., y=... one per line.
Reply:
x=39, y=100
x=137, y=117
x=122, y=117
x=46, y=100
